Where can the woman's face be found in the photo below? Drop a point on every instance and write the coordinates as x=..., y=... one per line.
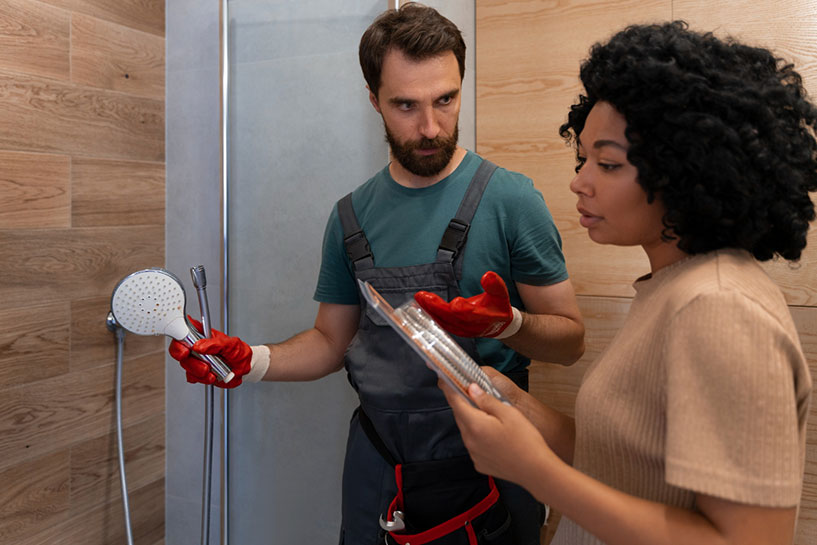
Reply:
x=613, y=206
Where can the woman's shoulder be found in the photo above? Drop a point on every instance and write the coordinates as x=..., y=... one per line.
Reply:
x=728, y=281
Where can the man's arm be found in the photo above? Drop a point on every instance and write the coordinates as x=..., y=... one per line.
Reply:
x=552, y=329
x=316, y=352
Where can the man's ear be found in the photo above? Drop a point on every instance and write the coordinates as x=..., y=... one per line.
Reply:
x=373, y=100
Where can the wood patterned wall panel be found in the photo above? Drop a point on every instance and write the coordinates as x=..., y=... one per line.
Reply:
x=93, y=345
x=790, y=27
x=34, y=493
x=42, y=115
x=34, y=39
x=805, y=318
x=35, y=189
x=557, y=385
x=114, y=193
x=143, y=388
x=81, y=205
x=798, y=280
x=520, y=105
x=147, y=15
x=537, y=31
x=55, y=413
x=95, y=466
x=118, y=58
x=33, y=343
x=59, y=265
x=105, y=524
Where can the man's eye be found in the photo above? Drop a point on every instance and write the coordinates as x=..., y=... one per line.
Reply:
x=445, y=100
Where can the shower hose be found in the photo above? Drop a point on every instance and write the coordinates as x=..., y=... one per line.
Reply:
x=119, y=332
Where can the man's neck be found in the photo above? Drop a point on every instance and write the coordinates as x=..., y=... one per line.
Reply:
x=407, y=179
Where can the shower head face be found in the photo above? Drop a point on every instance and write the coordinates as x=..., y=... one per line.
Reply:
x=151, y=302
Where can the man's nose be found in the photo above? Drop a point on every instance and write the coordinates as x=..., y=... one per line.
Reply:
x=429, y=125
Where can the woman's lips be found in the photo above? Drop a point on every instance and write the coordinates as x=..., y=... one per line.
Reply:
x=587, y=219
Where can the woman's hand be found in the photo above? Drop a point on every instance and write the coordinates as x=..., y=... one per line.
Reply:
x=502, y=442
x=506, y=386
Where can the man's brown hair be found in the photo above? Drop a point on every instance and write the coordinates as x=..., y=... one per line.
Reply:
x=418, y=31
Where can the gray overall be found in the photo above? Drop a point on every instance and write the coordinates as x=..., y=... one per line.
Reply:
x=397, y=392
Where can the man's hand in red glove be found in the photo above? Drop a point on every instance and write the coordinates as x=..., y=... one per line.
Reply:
x=488, y=314
x=233, y=351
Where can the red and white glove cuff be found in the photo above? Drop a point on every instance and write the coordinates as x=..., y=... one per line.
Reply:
x=513, y=327
x=259, y=363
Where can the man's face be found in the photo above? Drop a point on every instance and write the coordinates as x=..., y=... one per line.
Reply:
x=420, y=105
x=425, y=157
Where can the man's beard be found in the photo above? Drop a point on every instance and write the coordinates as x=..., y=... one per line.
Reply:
x=424, y=165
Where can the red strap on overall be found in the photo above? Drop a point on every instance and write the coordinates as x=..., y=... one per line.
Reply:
x=463, y=520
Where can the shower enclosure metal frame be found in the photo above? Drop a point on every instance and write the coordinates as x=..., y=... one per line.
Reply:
x=224, y=72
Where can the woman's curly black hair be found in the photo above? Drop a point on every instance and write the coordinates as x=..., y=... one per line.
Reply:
x=721, y=132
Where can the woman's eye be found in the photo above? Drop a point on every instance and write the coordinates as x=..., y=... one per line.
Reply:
x=609, y=166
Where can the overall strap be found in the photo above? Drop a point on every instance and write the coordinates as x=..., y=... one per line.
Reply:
x=355, y=241
x=454, y=238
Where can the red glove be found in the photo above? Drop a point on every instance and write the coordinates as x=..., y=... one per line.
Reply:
x=235, y=353
x=486, y=315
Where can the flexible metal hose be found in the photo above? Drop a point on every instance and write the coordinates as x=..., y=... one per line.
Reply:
x=120, y=350
x=208, y=463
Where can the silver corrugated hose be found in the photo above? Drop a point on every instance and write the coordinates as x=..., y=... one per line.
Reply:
x=120, y=349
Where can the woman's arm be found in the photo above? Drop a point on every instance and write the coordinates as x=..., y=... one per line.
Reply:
x=504, y=443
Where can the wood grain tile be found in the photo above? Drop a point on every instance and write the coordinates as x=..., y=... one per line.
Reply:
x=34, y=39
x=115, y=57
x=49, y=116
x=557, y=385
x=789, y=28
x=95, y=464
x=33, y=343
x=805, y=318
x=60, y=265
x=114, y=193
x=56, y=413
x=147, y=15
x=35, y=494
x=105, y=524
x=34, y=190
x=92, y=345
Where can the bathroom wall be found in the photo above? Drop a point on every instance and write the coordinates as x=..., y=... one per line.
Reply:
x=521, y=104
x=81, y=205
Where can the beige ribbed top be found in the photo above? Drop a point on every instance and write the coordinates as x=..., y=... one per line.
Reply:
x=704, y=389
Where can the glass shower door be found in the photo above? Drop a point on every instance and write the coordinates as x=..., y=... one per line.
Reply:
x=302, y=134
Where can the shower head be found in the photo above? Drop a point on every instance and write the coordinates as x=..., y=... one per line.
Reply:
x=152, y=302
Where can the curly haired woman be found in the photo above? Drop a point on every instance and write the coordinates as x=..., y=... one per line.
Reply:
x=690, y=427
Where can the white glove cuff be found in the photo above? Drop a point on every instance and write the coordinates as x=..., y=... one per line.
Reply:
x=513, y=327
x=259, y=363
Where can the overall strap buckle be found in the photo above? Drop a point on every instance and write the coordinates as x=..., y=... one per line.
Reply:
x=454, y=238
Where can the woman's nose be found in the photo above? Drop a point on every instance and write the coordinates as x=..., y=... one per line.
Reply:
x=579, y=184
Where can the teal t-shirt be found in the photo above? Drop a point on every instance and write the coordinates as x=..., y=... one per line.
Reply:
x=512, y=234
